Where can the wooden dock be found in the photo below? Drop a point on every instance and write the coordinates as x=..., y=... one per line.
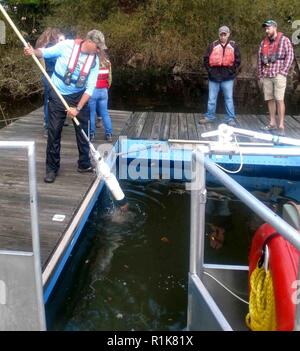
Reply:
x=70, y=193
x=64, y=197
x=185, y=126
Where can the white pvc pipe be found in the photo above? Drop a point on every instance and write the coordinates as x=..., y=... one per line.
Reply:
x=110, y=180
x=227, y=131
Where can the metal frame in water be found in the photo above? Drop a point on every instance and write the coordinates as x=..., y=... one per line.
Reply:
x=203, y=311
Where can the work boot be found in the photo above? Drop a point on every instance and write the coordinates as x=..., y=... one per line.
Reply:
x=206, y=120
x=85, y=170
x=50, y=177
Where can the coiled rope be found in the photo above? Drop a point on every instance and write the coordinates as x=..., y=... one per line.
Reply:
x=262, y=315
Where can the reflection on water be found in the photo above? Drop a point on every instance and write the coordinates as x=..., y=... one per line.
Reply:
x=130, y=271
x=192, y=96
x=134, y=276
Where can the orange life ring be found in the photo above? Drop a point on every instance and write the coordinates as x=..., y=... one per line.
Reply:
x=283, y=265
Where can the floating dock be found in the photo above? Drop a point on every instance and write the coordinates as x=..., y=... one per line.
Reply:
x=65, y=205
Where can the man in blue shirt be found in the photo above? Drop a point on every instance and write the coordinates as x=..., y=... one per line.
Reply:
x=75, y=77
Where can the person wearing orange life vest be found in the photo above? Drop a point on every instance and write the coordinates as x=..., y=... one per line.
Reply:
x=99, y=100
x=275, y=57
x=75, y=75
x=221, y=60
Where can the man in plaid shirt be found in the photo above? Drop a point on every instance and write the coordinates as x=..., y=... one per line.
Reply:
x=275, y=57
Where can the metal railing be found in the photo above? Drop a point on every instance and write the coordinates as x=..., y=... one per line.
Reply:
x=21, y=290
x=197, y=289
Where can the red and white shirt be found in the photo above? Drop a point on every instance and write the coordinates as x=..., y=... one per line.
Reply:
x=280, y=66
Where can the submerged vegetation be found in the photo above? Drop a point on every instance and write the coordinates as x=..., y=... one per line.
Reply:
x=167, y=36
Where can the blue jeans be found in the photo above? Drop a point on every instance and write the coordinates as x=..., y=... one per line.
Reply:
x=227, y=89
x=98, y=102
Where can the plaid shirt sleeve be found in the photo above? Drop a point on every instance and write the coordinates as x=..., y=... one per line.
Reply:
x=289, y=56
x=259, y=64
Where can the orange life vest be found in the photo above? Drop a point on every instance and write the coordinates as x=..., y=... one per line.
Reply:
x=269, y=51
x=222, y=55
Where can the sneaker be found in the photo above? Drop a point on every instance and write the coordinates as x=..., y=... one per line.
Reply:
x=206, y=120
x=108, y=137
x=85, y=170
x=98, y=123
x=50, y=177
x=268, y=127
x=92, y=136
x=230, y=122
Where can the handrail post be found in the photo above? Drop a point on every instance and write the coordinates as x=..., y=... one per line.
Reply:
x=22, y=290
x=35, y=233
x=198, y=201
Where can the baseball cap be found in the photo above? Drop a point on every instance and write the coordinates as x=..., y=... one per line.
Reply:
x=224, y=29
x=269, y=23
x=98, y=38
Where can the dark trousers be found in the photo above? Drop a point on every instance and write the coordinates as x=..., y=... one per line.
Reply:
x=57, y=116
x=47, y=89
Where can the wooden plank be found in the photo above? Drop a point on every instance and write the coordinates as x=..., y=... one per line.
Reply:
x=291, y=127
x=139, y=125
x=165, y=126
x=130, y=130
x=248, y=122
x=199, y=127
x=191, y=126
x=146, y=132
x=183, y=130
x=174, y=126
x=156, y=126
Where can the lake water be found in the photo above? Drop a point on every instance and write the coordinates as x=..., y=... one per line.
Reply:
x=131, y=272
